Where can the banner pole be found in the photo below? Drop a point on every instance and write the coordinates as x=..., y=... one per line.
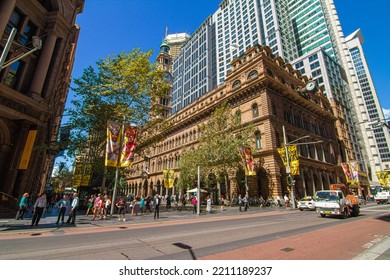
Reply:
x=117, y=168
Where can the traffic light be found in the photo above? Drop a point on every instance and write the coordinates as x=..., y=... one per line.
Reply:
x=289, y=180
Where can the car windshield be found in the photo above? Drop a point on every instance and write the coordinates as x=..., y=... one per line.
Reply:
x=326, y=196
x=305, y=199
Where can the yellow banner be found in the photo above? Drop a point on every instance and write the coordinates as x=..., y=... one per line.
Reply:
x=86, y=174
x=113, y=143
x=28, y=147
x=383, y=177
x=355, y=171
x=347, y=171
x=293, y=157
x=165, y=178
x=247, y=160
x=171, y=178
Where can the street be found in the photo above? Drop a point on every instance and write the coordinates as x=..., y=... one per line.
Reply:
x=256, y=234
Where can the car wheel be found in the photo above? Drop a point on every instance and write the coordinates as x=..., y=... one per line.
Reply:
x=322, y=215
x=300, y=209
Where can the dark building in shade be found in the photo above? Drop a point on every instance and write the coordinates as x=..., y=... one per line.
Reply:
x=33, y=90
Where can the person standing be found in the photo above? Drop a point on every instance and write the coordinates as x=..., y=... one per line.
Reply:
x=222, y=203
x=142, y=205
x=286, y=201
x=239, y=202
x=246, y=203
x=62, y=206
x=73, y=210
x=23, y=205
x=208, y=207
x=121, y=209
x=156, y=204
x=194, y=202
x=39, y=209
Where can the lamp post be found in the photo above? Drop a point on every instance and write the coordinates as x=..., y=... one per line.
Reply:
x=290, y=179
x=37, y=44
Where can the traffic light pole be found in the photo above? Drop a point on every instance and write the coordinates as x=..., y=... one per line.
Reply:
x=292, y=196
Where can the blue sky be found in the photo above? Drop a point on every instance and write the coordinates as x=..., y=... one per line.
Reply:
x=110, y=26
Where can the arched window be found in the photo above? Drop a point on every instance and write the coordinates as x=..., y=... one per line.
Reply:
x=252, y=74
x=236, y=84
x=258, y=140
x=255, y=110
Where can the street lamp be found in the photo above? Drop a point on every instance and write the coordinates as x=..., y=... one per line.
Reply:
x=290, y=180
x=37, y=44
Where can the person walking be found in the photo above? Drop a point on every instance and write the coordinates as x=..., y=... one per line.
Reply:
x=90, y=205
x=107, y=206
x=62, y=206
x=39, y=209
x=97, y=205
x=23, y=207
x=222, y=203
x=286, y=201
x=156, y=204
x=239, y=202
x=121, y=209
x=73, y=209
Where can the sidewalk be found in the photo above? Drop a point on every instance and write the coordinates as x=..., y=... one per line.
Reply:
x=48, y=221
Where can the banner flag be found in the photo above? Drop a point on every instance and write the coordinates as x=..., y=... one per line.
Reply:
x=293, y=157
x=355, y=171
x=171, y=178
x=128, y=147
x=113, y=143
x=347, y=171
x=27, y=150
x=247, y=160
x=165, y=178
x=383, y=177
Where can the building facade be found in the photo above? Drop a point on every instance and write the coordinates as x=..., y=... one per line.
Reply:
x=271, y=95
x=33, y=90
x=292, y=29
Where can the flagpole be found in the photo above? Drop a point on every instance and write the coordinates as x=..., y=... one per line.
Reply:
x=117, y=167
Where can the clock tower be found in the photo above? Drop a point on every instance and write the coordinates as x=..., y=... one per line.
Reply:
x=164, y=62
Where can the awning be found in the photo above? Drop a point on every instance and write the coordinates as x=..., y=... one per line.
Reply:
x=195, y=190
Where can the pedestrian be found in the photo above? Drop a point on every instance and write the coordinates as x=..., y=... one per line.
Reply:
x=246, y=203
x=142, y=205
x=73, y=209
x=148, y=204
x=121, y=209
x=156, y=204
x=222, y=202
x=97, y=204
x=90, y=205
x=208, y=203
x=107, y=206
x=287, y=201
x=62, y=206
x=194, y=202
x=39, y=209
x=23, y=207
x=239, y=202
x=278, y=201
x=134, y=207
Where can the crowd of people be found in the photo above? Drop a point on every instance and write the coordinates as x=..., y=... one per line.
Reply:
x=99, y=207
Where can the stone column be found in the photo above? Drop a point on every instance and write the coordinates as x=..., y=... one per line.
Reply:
x=312, y=179
x=43, y=66
x=6, y=9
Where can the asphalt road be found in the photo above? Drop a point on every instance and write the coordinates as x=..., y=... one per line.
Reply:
x=258, y=234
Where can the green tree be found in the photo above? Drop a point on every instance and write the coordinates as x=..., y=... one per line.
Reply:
x=217, y=151
x=121, y=88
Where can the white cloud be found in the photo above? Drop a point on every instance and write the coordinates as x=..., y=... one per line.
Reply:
x=386, y=112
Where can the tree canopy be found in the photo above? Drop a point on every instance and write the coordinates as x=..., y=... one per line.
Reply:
x=120, y=88
x=217, y=151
